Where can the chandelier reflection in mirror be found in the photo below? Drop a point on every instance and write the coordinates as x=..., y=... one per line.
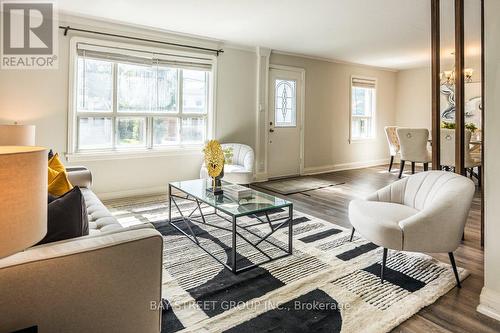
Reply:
x=448, y=77
x=285, y=103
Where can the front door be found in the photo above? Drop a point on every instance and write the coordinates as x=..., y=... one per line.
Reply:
x=285, y=111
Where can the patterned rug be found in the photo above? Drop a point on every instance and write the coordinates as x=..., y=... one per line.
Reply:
x=328, y=285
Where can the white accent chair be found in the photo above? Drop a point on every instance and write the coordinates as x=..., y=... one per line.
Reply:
x=393, y=142
x=448, y=152
x=413, y=142
x=425, y=212
x=240, y=169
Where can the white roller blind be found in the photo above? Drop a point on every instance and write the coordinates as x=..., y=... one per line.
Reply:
x=144, y=57
x=363, y=83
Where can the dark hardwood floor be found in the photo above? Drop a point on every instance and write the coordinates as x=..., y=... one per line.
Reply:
x=455, y=311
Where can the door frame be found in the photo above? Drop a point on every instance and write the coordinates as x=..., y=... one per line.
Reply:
x=302, y=93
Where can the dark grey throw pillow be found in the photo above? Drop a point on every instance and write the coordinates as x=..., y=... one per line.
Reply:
x=67, y=217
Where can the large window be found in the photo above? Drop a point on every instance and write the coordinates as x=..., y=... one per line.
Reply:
x=137, y=100
x=363, y=108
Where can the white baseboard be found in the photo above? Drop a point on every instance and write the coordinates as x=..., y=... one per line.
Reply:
x=260, y=177
x=489, y=303
x=132, y=193
x=344, y=166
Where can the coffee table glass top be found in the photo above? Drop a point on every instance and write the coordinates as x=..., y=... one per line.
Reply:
x=259, y=201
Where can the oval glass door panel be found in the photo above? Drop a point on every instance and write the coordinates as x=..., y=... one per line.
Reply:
x=286, y=103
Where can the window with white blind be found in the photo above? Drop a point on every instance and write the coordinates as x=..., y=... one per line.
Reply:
x=363, y=108
x=128, y=98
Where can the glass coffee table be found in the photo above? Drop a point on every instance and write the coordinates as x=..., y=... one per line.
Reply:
x=257, y=209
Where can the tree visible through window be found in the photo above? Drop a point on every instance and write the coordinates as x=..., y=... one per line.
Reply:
x=363, y=105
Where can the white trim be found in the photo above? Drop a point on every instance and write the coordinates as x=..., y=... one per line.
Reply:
x=212, y=111
x=132, y=193
x=489, y=303
x=260, y=177
x=335, y=61
x=75, y=19
x=123, y=155
x=344, y=166
x=350, y=139
x=302, y=73
x=262, y=79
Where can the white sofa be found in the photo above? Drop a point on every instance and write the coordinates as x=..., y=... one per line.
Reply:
x=103, y=282
x=241, y=169
x=425, y=212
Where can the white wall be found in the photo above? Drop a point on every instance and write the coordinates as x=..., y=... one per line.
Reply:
x=327, y=103
x=236, y=97
x=413, y=98
x=490, y=295
x=41, y=98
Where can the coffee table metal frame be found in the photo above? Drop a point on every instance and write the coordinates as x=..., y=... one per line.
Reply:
x=286, y=221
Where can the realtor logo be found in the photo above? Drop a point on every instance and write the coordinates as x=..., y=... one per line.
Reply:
x=29, y=35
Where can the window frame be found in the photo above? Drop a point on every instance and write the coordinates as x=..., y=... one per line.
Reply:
x=73, y=151
x=373, y=115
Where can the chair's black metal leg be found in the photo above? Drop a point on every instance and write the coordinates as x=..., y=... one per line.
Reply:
x=384, y=260
x=412, y=168
x=426, y=166
x=479, y=175
x=401, y=168
x=390, y=164
x=452, y=260
x=352, y=234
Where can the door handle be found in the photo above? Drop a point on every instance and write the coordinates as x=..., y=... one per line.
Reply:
x=271, y=130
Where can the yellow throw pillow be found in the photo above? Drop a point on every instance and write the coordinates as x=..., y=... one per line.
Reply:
x=56, y=164
x=59, y=184
x=52, y=175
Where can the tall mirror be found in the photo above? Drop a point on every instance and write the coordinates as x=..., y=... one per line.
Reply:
x=470, y=137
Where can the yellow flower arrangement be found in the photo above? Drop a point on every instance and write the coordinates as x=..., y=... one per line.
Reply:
x=214, y=158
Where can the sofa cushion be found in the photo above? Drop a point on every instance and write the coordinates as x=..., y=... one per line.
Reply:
x=100, y=219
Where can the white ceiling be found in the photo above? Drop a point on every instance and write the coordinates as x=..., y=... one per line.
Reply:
x=384, y=33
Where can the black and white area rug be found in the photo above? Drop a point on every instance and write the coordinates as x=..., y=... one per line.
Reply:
x=328, y=285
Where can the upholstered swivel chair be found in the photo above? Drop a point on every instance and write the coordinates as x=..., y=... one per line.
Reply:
x=238, y=170
x=393, y=142
x=413, y=143
x=425, y=212
x=448, y=152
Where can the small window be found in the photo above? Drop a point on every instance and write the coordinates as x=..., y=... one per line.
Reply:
x=363, y=108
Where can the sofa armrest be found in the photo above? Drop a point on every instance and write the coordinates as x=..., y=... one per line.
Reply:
x=79, y=176
x=99, y=284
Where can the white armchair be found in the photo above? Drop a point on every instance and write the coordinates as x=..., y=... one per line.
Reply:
x=239, y=170
x=425, y=212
